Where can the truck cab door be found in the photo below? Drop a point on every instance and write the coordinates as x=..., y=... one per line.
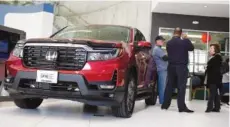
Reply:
x=142, y=57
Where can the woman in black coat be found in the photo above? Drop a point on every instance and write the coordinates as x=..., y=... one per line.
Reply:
x=213, y=78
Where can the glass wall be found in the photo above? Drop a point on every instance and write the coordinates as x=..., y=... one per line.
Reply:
x=223, y=40
x=199, y=57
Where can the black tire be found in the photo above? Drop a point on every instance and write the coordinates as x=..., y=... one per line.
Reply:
x=28, y=103
x=153, y=96
x=126, y=107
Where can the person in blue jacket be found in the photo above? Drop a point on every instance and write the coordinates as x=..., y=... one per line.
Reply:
x=160, y=58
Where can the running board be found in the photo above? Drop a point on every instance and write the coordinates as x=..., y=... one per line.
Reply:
x=144, y=90
x=142, y=96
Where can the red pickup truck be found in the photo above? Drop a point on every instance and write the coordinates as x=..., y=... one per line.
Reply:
x=99, y=65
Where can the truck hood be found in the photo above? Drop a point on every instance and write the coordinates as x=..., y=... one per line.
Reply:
x=89, y=42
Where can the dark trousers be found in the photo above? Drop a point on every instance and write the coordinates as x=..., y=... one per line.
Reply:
x=214, y=97
x=177, y=76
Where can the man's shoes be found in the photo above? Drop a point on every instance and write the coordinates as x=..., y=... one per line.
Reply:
x=208, y=110
x=163, y=108
x=213, y=110
x=186, y=110
x=216, y=110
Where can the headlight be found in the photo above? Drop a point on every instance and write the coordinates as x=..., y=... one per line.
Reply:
x=103, y=55
x=18, y=49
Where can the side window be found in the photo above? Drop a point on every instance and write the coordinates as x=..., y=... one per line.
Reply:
x=142, y=37
x=138, y=36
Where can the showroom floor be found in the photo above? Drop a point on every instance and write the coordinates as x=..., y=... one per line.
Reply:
x=60, y=113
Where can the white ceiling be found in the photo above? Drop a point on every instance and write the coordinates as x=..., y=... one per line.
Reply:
x=211, y=8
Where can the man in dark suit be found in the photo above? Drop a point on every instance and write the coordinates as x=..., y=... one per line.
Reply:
x=177, y=49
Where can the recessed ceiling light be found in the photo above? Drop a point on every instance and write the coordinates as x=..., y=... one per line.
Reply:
x=205, y=6
x=195, y=22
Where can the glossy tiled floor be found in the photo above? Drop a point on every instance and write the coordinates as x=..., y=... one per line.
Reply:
x=59, y=113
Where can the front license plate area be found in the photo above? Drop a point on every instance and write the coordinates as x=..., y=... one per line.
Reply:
x=44, y=76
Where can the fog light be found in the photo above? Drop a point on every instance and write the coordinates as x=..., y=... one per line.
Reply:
x=107, y=86
x=7, y=80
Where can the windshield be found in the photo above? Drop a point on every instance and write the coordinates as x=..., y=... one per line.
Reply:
x=97, y=32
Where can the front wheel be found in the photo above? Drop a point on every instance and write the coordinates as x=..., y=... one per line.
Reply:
x=28, y=103
x=125, y=109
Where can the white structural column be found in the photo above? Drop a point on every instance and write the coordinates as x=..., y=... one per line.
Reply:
x=35, y=20
x=39, y=24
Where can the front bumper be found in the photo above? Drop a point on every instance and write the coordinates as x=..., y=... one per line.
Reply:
x=85, y=94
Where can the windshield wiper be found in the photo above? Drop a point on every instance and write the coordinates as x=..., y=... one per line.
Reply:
x=58, y=32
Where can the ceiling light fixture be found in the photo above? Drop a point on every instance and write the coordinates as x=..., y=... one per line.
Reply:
x=205, y=6
x=195, y=22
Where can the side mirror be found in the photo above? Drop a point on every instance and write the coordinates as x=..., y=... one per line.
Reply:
x=144, y=44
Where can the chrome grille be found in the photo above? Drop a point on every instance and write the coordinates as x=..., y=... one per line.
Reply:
x=68, y=58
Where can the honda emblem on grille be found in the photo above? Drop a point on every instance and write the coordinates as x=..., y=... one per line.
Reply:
x=51, y=55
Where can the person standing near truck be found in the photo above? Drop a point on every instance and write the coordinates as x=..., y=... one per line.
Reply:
x=177, y=49
x=161, y=60
x=213, y=78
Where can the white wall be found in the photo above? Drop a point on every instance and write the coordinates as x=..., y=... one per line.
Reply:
x=135, y=14
x=128, y=13
x=39, y=24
